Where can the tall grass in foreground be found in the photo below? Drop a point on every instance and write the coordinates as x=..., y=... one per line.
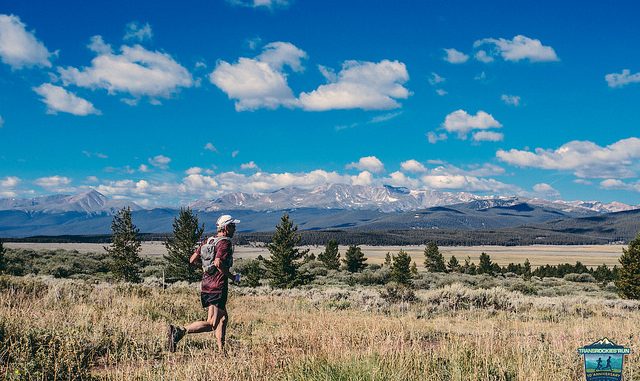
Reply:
x=52, y=329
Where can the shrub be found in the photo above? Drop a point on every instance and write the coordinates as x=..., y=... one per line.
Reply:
x=582, y=278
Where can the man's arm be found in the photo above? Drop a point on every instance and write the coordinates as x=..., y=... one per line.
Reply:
x=195, y=256
x=218, y=263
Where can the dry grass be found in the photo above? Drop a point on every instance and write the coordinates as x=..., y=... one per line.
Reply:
x=590, y=255
x=61, y=329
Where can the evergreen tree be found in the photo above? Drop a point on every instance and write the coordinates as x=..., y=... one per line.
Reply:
x=526, y=269
x=628, y=281
x=414, y=270
x=485, y=267
x=603, y=274
x=330, y=257
x=283, y=267
x=125, y=247
x=434, y=261
x=2, y=260
x=453, y=265
x=354, y=259
x=387, y=259
x=186, y=234
x=401, y=268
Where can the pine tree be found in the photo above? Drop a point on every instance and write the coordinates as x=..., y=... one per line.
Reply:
x=628, y=280
x=434, y=261
x=453, y=265
x=387, y=259
x=283, y=267
x=330, y=257
x=401, y=268
x=125, y=247
x=2, y=260
x=526, y=269
x=485, y=267
x=414, y=270
x=354, y=259
x=186, y=234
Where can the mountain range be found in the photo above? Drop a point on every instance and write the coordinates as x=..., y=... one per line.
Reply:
x=331, y=206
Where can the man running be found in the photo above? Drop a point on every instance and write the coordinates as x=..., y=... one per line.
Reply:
x=215, y=285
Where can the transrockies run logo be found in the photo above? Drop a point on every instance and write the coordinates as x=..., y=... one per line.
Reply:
x=603, y=360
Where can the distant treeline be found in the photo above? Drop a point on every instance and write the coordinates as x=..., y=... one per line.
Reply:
x=502, y=237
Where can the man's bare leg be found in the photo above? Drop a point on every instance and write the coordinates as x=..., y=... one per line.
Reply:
x=221, y=329
x=204, y=326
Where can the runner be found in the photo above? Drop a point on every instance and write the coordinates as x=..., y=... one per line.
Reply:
x=215, y=284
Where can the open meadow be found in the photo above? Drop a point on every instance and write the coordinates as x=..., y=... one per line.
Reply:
x=62, y=329
x=538, y=255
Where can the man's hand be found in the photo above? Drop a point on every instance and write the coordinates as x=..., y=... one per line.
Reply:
x=216, y=263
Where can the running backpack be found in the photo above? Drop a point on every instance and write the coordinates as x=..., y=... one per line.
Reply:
x=208, y=254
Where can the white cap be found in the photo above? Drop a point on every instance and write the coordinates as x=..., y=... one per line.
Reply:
x=225, y=220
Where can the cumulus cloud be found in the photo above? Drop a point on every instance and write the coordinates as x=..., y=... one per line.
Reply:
x=584, y=158
x=487, y=136
x=270, y=4
x=466, y=183
x=210, y=147
x=434, y=79
x=399, y=179
x=441, y=92
x=136, y=71
x=137, y=32
x=622, y=79
x=260, y=82
x=363, y=85
x=143, y=168
x=482, y=56
x=8, y=185
x=58, y=99
x=511, y=100
x=455, y=56
x=462, y=122
x=413, y=166
x=98, y=46
x=546, y=190
x=517, y=49
x=53, y=182
x=620, y=185
x=20, y=48
x=367, y=163
x=434, y=137
x=249, y=165
x=160, y=161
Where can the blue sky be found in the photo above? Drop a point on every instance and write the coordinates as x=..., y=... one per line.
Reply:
x=166, y=103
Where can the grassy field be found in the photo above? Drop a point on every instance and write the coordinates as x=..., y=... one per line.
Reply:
x=61, y=329
x=590, y=255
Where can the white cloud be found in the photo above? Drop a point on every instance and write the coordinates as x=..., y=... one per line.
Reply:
x=52, y=182
x=260, y=82
x=143, y=168
x=512, y=100
x=9, y=182
x=466, y=183
x=434, y=137
x=441, y=92
x=480, y=77
x=235, y=153
x=434, y=79
x=384, y=117
x=98, y=46
x=210, y=147
x=546, y=190
x=136, y=71
x=1, y=122
x=455, y=56
x=482, y=56
x=249, y=165
x=519, y=48
x=622, y=79
x=98, y=155
x=368, y=163
x=137, y=32
x=363, y=178
x=59, y=99
x=586, y=159
x=160, y=161
x=193, y=171
x=620, y=185
x=270, y=4
x=413, y=166
x=488, y=136
x=92, y=179
x=461, y=122
x=20, y=48
x=364, y=85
